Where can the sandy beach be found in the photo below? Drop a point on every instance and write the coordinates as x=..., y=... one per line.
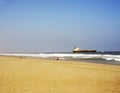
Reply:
x=30, y=75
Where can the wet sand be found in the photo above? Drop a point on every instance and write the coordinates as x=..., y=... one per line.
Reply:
x=29, y=75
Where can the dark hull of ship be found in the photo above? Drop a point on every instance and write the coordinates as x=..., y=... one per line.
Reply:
x=84, y=51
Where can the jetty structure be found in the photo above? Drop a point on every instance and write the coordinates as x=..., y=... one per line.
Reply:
x=78, y=50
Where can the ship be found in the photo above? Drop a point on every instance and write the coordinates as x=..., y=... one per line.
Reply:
x=78, y=50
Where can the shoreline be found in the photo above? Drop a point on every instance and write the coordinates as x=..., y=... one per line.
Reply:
x=31, y=75
x=65, y=60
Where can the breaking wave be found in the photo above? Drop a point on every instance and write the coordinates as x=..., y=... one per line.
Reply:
x=69, y=55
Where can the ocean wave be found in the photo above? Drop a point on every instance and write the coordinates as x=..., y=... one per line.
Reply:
x=112, y=57
x=74, y=56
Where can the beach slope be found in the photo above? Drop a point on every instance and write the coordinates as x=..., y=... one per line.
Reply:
x=29, y=75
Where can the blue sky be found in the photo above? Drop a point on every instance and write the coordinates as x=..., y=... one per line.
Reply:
x=59, y=25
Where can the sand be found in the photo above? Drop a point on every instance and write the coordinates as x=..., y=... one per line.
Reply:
x=29, y=75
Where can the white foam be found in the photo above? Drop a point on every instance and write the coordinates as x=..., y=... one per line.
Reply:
x=63, y=56
x=112, y=57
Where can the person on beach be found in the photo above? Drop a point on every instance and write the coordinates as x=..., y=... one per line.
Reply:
x=57, y=58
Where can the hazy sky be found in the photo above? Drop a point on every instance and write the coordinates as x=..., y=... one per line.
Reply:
x=59, y=25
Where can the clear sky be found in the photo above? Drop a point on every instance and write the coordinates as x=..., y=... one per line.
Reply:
x=59, y=25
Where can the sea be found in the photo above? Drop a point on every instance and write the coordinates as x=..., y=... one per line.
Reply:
x=108, y=57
